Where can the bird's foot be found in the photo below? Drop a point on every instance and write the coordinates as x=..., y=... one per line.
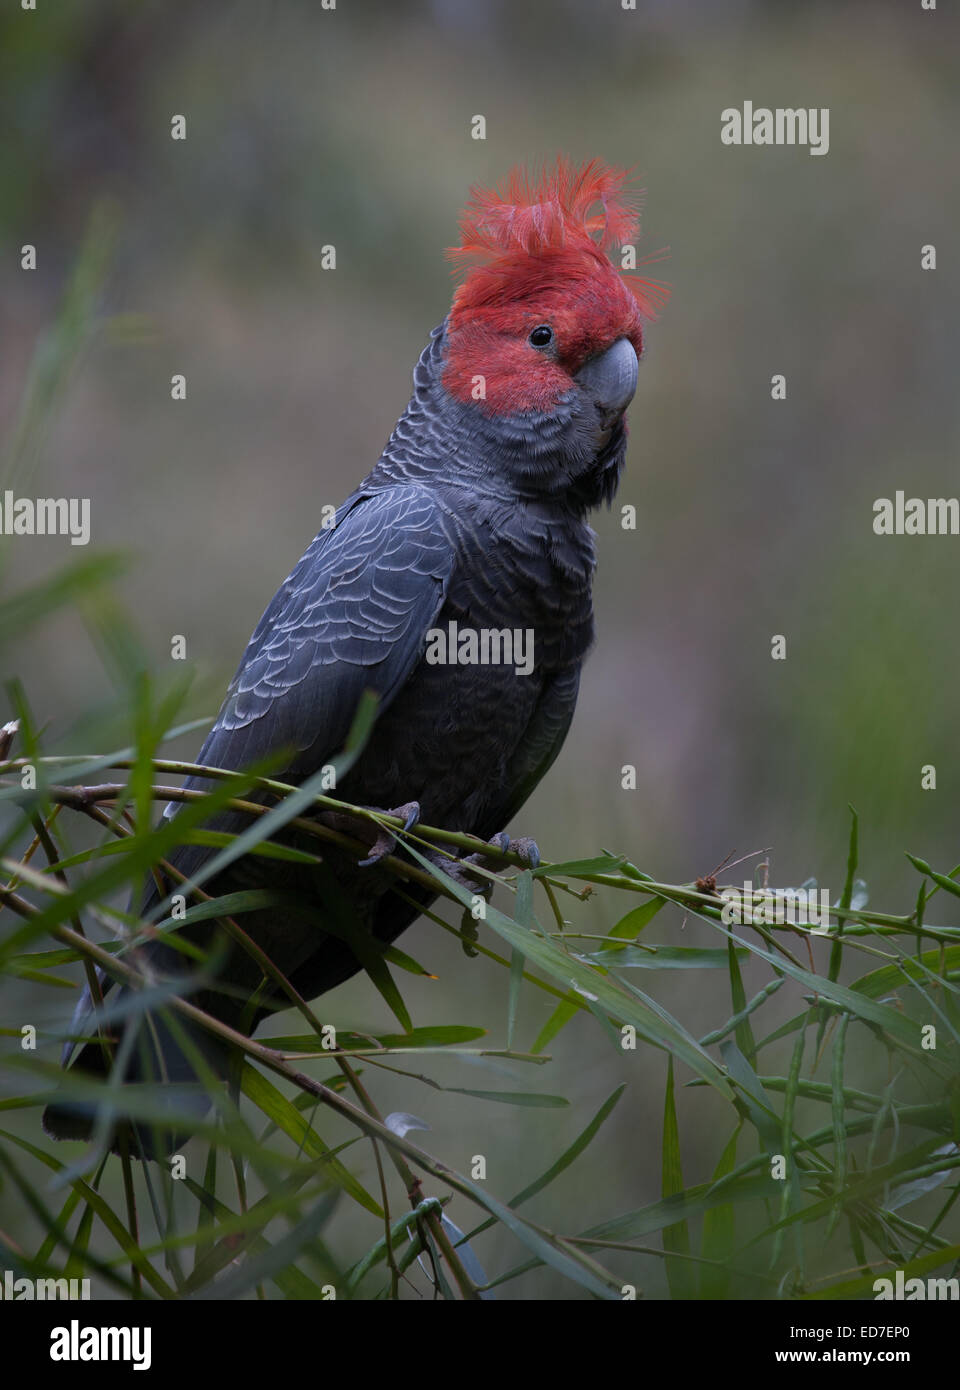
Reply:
x=382, y=841
x=462, y=870
x=528, y=850
x=386, y=841
x=469, y=873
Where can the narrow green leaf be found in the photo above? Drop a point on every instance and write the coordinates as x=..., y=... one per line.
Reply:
x=662, y=958
x=753, y=1100
x=853, y=850
x=563, y=1162
x=576, y=868
x=561, y=1016
x=524, y=915
x=277, y=1108
x=719, y=1230
x=676, y=1237
x=534, y=1099
x=888, y=977
x=743, y=1032
x=733, y=1023
x=790, y=1189
x=634, y=922
x=838, y=1111
x=442, y=1035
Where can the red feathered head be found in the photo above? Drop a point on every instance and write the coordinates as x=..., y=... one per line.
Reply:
x=540, y=295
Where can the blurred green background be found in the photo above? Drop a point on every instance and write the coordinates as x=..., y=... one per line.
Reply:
x=308, y=127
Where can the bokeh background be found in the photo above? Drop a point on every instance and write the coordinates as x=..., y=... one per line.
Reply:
x=307, y=127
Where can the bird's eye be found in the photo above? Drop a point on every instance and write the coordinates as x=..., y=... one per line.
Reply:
x=542, y=336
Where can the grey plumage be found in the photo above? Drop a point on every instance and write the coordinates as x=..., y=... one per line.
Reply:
x=467, y=517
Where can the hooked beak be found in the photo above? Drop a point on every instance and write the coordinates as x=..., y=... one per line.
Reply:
x=610, y=381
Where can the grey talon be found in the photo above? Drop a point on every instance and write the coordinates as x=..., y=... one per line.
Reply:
x=524, y=848
x=386, y=841
x=529, y=850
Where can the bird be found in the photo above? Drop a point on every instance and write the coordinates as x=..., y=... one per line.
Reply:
x=475, y=515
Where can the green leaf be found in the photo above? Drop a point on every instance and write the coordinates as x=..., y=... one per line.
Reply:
x=577, y=868
x=76, y=1265
x=221, y=839
x=888, y=977
x=753, y=1099
x=634, y=922
x=534, y=1099
x=743, y=1031
x=790, y=1189
x=561, y=1016
x=838, y=1114
x=574, y=1151
x=524, y=912
x=836, y=950
x=908, y=1192
x=563, y=1162
x=279, y=1110
x=719, y=1230
x=676, y=1237
x=41, y=977
x=733, y=1023
x=440, y=1035
x=553, y=1251
x=662, y=958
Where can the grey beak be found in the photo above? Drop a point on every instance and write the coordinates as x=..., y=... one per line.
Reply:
x=610, y=379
